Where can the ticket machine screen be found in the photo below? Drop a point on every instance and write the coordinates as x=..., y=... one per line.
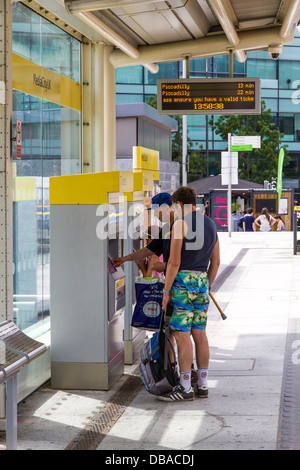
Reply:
x=116, y=288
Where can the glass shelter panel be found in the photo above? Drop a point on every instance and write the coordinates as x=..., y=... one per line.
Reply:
x=51, y=146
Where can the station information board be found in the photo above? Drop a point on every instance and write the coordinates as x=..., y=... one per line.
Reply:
x=208, y=96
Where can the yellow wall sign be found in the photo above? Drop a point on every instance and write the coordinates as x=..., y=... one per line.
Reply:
x=38, y=81
x=146, y=159
x=90, y=188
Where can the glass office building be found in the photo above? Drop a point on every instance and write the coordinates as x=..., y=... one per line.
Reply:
x=47, y=103
x=280, y=80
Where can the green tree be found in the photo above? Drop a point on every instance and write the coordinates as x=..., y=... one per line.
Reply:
x=259, y=164
x=196, y=160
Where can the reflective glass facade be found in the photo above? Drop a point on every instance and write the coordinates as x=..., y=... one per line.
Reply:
x=46, y=61
x=280, y=80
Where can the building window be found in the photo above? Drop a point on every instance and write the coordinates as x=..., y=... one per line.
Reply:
x=289, y=71
x=265, y=69
x=47, y=101
x=291, y=172
x=286, y=125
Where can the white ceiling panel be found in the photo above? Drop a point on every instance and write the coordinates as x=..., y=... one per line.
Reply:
x=144, y=23
x=253, y=9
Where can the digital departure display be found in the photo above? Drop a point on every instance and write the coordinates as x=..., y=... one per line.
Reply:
x=208, y=96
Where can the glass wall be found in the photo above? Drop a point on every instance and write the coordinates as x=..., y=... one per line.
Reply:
x=46, y=62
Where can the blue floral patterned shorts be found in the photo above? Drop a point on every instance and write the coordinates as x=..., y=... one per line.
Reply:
x=190, y=298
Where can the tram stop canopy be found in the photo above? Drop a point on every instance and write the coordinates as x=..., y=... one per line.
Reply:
x=151, y=32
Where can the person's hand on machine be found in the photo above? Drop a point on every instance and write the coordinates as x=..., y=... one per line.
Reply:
x=117, y=262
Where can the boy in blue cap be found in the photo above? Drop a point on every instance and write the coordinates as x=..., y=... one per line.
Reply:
x=161, y=204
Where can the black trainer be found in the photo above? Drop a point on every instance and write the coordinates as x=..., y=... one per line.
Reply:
x=202, y=391
x=178, y=394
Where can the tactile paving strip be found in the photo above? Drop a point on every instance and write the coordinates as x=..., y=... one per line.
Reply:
x=219, y=281
x=94, y=432
x=288, y=437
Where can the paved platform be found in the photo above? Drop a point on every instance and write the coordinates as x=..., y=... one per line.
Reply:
x=252, y=403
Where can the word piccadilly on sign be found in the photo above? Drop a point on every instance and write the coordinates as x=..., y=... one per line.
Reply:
x=208, y=96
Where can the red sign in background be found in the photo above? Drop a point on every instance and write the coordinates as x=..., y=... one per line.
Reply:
x=19, y=138
x=219, y=209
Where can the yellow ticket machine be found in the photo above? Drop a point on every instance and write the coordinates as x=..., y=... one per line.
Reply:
x=138, y=203
x=87, y=292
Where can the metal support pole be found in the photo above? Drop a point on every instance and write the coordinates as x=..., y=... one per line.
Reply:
x=295, y=232
x=206, y=128
x=229, y=189
x=185, y=74
x=230, y=63
x=127, y=249
x=229, y=196
x=11, y=413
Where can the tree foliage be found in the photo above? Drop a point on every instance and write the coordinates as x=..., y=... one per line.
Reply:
x=196, y=161
x=259, y=164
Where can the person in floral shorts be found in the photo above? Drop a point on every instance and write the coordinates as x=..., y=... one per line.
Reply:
x=191, y=269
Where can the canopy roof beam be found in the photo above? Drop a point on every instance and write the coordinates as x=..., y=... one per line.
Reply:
x=212, y=45
x=227, y=19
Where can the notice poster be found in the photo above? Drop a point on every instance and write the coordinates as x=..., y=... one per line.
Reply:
x=283, y=206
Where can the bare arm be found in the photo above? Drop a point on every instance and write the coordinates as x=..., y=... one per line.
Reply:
x=150, y=269
x=142, y=267
x=255, y=221
x=135, y=256
x=174, y=260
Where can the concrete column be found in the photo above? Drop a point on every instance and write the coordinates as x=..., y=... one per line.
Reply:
x=98, y=99
x=87, y=108
x=99, y=109
x=6, y=196
x=6, y=233
x=109, y=113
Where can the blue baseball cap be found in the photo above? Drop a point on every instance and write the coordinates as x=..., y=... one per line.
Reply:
x=161, y=198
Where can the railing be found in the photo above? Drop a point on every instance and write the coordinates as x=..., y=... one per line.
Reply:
x=16, y=351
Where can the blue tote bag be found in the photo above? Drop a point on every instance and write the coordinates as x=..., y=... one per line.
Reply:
x=147, y=311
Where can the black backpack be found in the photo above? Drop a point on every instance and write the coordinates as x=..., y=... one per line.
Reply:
x=157, y=372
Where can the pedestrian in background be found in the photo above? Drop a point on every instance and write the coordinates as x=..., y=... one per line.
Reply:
x=248, y=221
x=206, y=209
x=280, y=224
x=265, y=220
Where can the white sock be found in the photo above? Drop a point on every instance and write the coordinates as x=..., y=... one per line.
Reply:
x=185, y=380
x=202, y=377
